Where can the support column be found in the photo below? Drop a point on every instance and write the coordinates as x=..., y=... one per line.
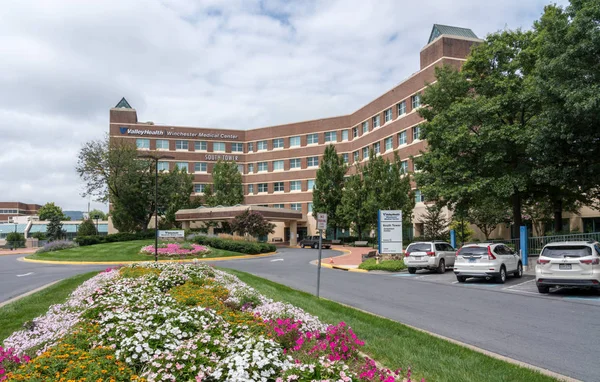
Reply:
x=293, y=233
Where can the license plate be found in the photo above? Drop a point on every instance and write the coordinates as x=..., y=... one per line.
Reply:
x=564, y=266
x=472, y=260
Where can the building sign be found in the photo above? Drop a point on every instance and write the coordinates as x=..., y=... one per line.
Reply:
x=216, y=157
x=171, y=234
x=389, y=224
x=322, y=222
x=168, y=133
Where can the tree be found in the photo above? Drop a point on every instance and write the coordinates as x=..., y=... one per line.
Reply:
x=251, y=223
x=479, y=125
x=435, y=224
x=353, y=208
x=93, y=213
x=329, y=184
x=49, y=210
x=487, y=214
x=226, y=189
x=54, y=229
x=87, y=228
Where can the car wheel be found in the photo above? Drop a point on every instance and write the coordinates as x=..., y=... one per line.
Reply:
x=412, y=271
x=519, y=271
x=543, y=289
x=501, y=278
x=461, y=279
x=441, y=266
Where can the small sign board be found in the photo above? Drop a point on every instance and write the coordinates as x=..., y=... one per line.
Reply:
x=322, y=222
x=171, y=234
x=389, y=224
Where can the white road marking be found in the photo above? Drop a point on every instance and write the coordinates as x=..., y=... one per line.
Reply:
x=25, y=274
x=276, y=260
x=516, y=285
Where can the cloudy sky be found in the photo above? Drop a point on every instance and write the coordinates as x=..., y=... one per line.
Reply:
x=225, y=64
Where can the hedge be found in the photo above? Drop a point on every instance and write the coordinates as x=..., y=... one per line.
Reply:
x=114, y=237
x=248, y=247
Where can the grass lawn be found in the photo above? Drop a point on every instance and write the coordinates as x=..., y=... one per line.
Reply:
x=386, y=265
x=396, y=345
x=15, y=314
x=120, y=251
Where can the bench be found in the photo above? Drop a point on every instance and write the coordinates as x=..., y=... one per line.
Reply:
x=368, y=255
x=361, y=243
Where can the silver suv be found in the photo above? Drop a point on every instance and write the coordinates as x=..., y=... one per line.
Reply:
x=435, y=255
x=569, y=263
x=487, y=260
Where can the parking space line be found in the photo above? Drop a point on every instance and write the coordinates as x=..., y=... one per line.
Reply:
x=516, y=285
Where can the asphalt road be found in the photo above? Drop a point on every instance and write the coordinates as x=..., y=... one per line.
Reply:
x=555, y=333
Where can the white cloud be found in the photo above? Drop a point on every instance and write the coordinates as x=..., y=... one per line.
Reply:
x=227, y=64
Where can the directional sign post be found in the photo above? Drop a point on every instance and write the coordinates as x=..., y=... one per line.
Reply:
x=321, y=226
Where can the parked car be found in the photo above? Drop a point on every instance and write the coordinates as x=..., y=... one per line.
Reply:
x=434, y=255
x=487, y=260
x=313, y=242
x=570, y=264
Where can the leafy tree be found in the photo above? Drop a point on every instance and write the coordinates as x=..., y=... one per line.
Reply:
x=487, y=214
x=479, y=125
x=54, y=229
x=49, y=210
x=226, y=189
x=251, y=223
x=93, y=213
x=329, y=184
x=87, y=228
x=353, y=210
x=435, y=223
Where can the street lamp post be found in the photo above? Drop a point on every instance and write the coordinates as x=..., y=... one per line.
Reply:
x=156, y=159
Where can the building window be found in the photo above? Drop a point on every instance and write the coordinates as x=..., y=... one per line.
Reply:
x=219, y=147
x=278, y=143
x=240, y=168
x=142, y=143
x=278, y=187
x=402, y=108
x=183, y=166
x=295, y=163
x=162, y=144
x=416, y=130
x=419, y=197
x=278, y=205
x=295, y=185
x=313, y=161
x=344, y=135
x=199, y=188
x=310, y=184
x=365, y=127
x=296, y=206
x=263, y=187
x=376, y=121
x=261, y=145
x=330, y=136
x=389, y=143
x=345, y=157
x=181, y=145
x=237, y=147
x=278, y=165
x=251, y=189
x=200, y=167
x=355, y=132
x=355, y=156
x=312, y=139
x=387, y=115
x=163, y=166
x=250, y=168
x=377, y=147
x=404, y=167
x=250, y=147
x=416, y=101
x=263, y=166
x=402, y=138
x=310, y=208
x=200, y=146
x=365, y=152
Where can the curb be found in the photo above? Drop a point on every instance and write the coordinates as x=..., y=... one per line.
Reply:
x=25, y=259
x=28, y=293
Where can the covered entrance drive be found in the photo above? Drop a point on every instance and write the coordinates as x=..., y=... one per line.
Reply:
x=204, y=214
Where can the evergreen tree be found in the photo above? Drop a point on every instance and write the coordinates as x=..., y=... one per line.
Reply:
x=328, y=190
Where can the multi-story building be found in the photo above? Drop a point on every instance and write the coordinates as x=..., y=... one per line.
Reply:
x=279, y=163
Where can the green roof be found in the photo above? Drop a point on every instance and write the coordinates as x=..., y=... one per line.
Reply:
x=123, y=104
x=439, y=30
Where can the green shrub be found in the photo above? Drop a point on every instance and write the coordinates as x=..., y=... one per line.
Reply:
x=114, y=237
x=250, y=248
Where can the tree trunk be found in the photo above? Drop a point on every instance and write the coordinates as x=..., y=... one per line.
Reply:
x=557, y=210
x=517, y=218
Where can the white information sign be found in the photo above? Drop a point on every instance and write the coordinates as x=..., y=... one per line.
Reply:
x=390, y=232
x=171, y=234
x=321, y=221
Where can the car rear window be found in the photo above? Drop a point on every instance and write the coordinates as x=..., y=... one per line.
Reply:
x=567, y=251
x=473, y=251
x=419, y=247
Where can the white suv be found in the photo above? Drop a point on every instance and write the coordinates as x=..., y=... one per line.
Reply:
x=429, y=255
x=487, y=260
x=572, y=264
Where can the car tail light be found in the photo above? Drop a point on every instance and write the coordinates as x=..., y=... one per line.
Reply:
x=542, y=261
x=430, y=253
x=590, y=261
x=406, y=254
x=490, y=254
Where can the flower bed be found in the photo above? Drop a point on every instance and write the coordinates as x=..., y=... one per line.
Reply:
x=182, y=322
x=177, y=249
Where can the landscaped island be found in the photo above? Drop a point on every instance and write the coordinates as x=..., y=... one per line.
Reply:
x=182, y=322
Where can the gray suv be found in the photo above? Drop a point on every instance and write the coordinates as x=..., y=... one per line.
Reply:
x=434, y=255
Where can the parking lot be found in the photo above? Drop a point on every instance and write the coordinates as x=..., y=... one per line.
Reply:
x=524, y=285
